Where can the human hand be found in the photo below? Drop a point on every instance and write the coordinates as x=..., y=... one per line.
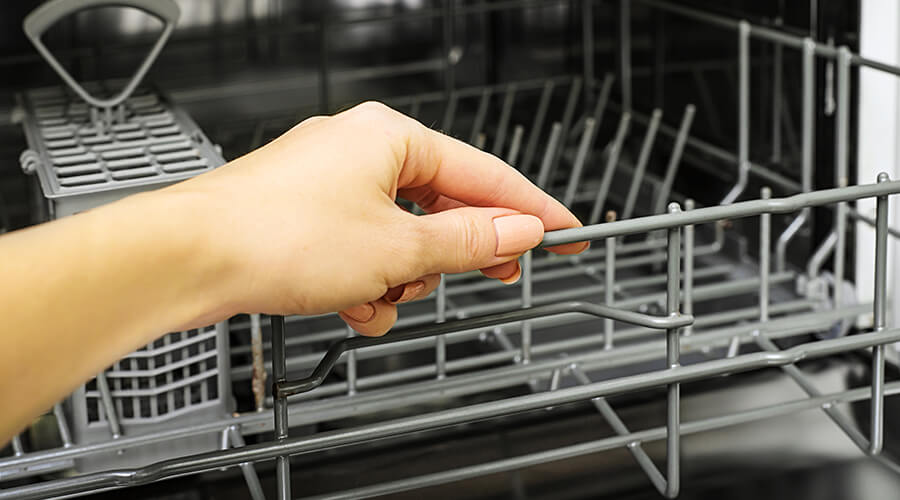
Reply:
x=309, y=223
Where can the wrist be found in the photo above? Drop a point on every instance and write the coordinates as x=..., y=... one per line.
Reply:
x=181, y=241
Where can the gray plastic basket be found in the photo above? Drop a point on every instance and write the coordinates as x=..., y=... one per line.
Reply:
x=87, y=151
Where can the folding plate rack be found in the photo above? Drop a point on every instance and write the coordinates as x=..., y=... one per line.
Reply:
x=542, y=331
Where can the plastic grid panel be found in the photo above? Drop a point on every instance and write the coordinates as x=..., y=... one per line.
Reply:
x=148, y=143
x=169, y=377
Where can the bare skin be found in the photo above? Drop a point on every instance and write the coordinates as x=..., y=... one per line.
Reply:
x=307, y=224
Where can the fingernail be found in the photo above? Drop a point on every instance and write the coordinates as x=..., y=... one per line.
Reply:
x=517, y=234
x=513, y=278
x=410, y=292
x=361, y=313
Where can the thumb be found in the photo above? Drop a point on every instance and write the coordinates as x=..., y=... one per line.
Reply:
x=468, y=238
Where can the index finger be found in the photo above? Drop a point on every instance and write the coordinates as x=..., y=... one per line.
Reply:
x=464, y=173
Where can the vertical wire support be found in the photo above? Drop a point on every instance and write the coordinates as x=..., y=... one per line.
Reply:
x=440, y=347
x=515, y=144
x=687, y=299
x=505, y=114
x=743, y=114
x=544, y=174
x=587, y=34
x=777, y=86
x=842, y=152
x=673, y=354
x=808, y=146
x=351, y=365
x=611, y=162
x=641, y=166
x=879, y=314
x=279, y=372
x=527, y=299
x=610, y=285
x=665, y=189
x=625, y=52
x=765, y=244
x=480, y=115
x=538, y=124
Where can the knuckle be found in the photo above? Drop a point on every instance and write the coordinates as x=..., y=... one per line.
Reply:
x=472, y=245
x=372, y=110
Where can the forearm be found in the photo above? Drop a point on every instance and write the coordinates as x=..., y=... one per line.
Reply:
x=80, y=292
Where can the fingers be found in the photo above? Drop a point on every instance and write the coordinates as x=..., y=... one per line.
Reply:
x=470, y=176
x=413, y=290
x=467, y=238
x=508, y=272
x=372, y=319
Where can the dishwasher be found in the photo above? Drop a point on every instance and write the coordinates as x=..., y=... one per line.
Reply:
x=728, y=334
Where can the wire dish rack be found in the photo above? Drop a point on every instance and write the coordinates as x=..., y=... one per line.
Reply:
x=667, y=296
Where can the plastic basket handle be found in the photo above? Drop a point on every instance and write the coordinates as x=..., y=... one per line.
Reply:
x=37, y=22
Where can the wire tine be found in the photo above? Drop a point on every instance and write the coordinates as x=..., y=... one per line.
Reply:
x=777, y=95
x=568, y=116
x=688, y=292
x=415, y=107
x=842, y=152
x=534, y=135
x=505, y=114
x=480, y=115
x=587, y=139
x=18, y=449
x=112, y=417
x=641, y=166
x=611, y=162
x=515, y=145
x=821, y=255
x=743, y=114
x=665, y=189
x=765, y=234
x=544, y=174
x=808, y=151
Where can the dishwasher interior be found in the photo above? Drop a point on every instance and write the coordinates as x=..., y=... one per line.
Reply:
x=729, y=333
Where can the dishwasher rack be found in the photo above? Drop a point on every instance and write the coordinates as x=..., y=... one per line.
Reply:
x=763, y=332
x=543, y=335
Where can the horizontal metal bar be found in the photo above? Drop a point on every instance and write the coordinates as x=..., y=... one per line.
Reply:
x=609, y=443
x=711, y=214
x=286, y=388
x=257, y=422
x=266, y=451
